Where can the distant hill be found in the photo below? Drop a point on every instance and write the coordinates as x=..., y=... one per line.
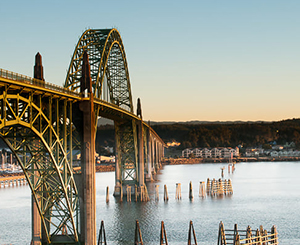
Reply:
x=214, y=134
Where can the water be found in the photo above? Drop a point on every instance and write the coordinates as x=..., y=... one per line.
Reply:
x=265, y=193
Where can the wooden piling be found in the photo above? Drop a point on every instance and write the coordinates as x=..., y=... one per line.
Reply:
x=128, y=191
x=135, y=193
x=220, y=190
x=208, y=186
x=191, y=196
x=229, y=187
x=221, y=235
x=213, y=187
x=249, y=232
x=258, y=238
x=222, y=172
x=192, y=235
x=178, y=191
x=121, y=193
x=107, y=194
x=138, y=234
x=144, y=193
x=157, y=192
x=202, y=191
x=166, y=196
x=102, y=237
x=235, y=233
x=163, y=235
x=274, y=234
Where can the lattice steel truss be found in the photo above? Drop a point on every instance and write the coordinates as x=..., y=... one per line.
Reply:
x=37, y=128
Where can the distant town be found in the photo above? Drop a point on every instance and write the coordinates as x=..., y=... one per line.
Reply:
x=287, y=150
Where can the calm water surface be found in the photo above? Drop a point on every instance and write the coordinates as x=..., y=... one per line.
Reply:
x=265, y=193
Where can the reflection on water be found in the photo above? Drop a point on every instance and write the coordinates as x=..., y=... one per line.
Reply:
x=265, y=193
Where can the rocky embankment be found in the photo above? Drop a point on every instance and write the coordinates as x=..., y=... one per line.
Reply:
x=99, y=168
x=177, y=161
x=10, y=174
x=105, y=168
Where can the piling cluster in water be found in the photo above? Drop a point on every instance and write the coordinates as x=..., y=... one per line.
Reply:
x=225, y=236
x=248, y=236
x=12, y=181
x=213, y=188
x=138, y=238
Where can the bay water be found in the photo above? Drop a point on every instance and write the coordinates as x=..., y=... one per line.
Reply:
x=264, y=193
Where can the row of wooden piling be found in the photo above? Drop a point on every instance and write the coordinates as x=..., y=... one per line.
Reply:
x=218, y=187
x=138, y=239
x=140, y=193
x=213, y=188
x=250, y=237
x=11, y=182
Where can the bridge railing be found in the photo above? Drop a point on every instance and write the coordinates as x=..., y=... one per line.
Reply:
x=36, y=82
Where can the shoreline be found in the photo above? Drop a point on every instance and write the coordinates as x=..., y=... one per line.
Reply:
x=99, y=168
x=178, y=161
x=182, y=161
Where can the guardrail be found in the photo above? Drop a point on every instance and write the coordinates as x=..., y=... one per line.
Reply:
x=36, y=82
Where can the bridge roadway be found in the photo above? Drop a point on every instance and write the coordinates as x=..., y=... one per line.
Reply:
x=46, y=125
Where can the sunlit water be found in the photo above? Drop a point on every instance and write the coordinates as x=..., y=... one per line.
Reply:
x=266, y=193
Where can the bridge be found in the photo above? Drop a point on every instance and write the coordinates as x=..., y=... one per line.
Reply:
x=45, y=125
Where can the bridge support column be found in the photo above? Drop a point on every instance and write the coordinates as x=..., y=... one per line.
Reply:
x=118, y=177
x=36, y=218
x=36, y=224
x=141, y=167
x=149, y=160
x=88, y=168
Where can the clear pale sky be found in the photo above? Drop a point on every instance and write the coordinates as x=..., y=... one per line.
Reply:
x=188, y=60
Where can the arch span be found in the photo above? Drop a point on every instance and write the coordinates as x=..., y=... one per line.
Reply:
x=108, y=64
x=29, y=129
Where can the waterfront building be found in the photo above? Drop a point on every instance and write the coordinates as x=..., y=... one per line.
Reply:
x=225, y=153
x=197, y=152
x=206, y=153
x=217, y=152
x=186, y=152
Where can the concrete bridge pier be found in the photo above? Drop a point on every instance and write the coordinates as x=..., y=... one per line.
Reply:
x=141, y=166
x=36, y=218
x=149, y=176
x=88, y=171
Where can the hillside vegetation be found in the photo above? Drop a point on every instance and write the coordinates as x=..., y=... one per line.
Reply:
x=248, y=134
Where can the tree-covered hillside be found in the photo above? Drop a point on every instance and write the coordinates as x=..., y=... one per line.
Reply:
x=233, y=134
x=247, y=134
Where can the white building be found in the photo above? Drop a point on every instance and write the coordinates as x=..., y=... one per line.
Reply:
x=225, y=153
x=197, y=152
x=186, y=152
x=206, y=153
x=217, y=152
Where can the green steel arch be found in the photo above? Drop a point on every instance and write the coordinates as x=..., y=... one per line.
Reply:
x=110, y=83
x=108, y=64
x=32, y=128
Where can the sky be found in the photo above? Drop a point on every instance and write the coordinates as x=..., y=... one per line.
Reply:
x=188, y=60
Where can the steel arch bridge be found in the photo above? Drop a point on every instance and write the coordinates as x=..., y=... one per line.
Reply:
x=46, y=125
